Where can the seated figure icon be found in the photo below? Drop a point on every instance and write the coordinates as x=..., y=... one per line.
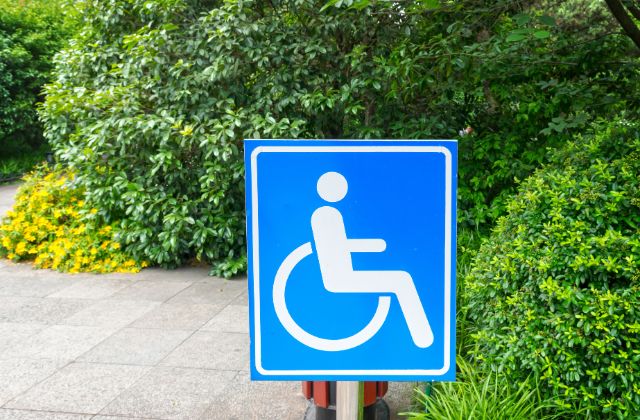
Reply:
x=334, y=251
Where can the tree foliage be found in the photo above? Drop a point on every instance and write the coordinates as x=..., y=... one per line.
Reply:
x=152, y=101
x=31, y=32
x=153, y=98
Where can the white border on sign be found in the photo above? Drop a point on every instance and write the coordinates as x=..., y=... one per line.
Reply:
x=447, y=258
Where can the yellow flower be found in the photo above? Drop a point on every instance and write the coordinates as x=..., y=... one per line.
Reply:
x=93, y=211
x=187, y=131
x=21, y=248
x=116, y=245
x=105, y=230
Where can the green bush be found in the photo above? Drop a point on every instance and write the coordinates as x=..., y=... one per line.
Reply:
x=151, y=103
x=14, y=167
x=522, y=75
x=153, y=98
x=555, y=291
x=31, y=32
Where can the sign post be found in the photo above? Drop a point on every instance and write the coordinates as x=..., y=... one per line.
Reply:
x=349, y=400
x=351, y=250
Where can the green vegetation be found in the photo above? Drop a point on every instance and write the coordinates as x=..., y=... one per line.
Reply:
x=149, y=103
x=31, y=32
x=13, y=167
x=555, y=290
x=52, y=225
x=480, y=395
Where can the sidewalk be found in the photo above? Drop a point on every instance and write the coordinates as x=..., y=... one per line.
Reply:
x=155, y=345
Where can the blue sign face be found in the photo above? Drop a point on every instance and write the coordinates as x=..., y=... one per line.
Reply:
x=351, y=259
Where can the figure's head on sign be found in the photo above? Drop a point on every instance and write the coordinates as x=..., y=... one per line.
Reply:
x=332, y=187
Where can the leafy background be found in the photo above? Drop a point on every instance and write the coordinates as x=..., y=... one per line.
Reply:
x=148, y=103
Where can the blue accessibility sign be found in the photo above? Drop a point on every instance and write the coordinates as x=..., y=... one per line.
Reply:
x=351, y=248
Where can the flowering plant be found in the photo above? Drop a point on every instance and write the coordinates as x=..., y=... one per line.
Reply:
x=51, y=225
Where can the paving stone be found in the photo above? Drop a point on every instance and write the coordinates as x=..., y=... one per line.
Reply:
x=26, y=271
x=209, y=350
x=178, y=316
x=216, y=292
x=179, y=274
x=243, y=299
x=12, y=333
x=247, y=400
x=18, y=375
x=99, y=417
x=159, y=291
x=171, y=393
x=38, y=310
x=94, y=288
x=60, y=342
x=32, y=287
x=239, y=283
x=233, y=318
x=79, y=388
x=136, y=346
x=39, y=415
x=111, y=313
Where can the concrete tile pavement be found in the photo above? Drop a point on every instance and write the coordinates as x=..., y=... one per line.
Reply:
x=7, y=192
x=159, y=344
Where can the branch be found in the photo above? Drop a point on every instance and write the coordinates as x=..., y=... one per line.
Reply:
x=633, y=9
x=623, y=18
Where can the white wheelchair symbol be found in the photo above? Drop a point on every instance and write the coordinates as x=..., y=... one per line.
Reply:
x=338, y=276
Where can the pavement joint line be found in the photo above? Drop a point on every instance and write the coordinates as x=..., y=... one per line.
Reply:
x=120, y=416
x=119, y=329
x=163, y=367
x=74, y=360
x=199, y=330
x=58, y=369
x=123, y=391
x=49, y=411
x=144, y=376
x=167, y=299
x=203, y=368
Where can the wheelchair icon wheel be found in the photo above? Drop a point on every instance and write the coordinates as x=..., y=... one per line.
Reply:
x=297, y=332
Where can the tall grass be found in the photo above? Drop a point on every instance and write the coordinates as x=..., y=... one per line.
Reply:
x=477, y=396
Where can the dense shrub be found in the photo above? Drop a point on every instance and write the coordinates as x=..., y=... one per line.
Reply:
x=556, y=290
x=13, y=167
x=152, y=101
x=31, y=32
x=52, y=225
x=524, y=75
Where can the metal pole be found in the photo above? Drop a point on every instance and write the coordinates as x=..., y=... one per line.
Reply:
x=349, y=400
